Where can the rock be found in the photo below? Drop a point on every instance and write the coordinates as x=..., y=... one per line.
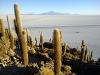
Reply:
x=48, y=45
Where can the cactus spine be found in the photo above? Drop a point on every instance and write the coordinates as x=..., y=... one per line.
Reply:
x=22, y=41
x=2, y=31
x=57, y=52
x=11, y=37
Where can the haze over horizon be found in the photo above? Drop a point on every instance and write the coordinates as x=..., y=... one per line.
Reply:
x=83, y=7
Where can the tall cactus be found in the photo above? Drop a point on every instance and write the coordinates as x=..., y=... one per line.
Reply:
x=11, y=36
x=57, y=51
x=2, y=31
x=22, y=41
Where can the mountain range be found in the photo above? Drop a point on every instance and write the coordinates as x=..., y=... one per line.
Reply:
x=51, y=13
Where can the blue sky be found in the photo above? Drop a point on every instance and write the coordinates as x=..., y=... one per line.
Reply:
x=41, y=6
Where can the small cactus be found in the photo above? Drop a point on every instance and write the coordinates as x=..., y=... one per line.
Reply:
x=64, y=49
x=85, y=57
x=6, y=33
x=31, y=42
x=83, y=43
x=19, y=30
x=88, y=58
x=15, y=25
x=82, y=53
x=57, y=51
x=91, y=55
x=86, y=50
x=36, y=41
x=41, y=39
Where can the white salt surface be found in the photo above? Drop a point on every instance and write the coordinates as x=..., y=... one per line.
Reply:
x=75, y=28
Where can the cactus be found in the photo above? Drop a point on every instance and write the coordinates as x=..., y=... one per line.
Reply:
x=86, y=50
x=11, y=37
x=64, y=49
x=57, y=51
x=27, y=35
x=31, y=42
x=41, y=39
x=83, y=43
x=15, y=25
x=61, y=40
x=88, y=58
x=82, y=53
x=6, y=33
x=2, y=31
x=85, y=56
x=36, y=41
x=19, y=30
x=91, y=55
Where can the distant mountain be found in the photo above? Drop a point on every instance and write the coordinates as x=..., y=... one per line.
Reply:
x=50, y=13
x=54, y=13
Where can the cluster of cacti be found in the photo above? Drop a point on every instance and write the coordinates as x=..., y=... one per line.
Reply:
x=84, y=50
x=57, y=51
x=4, y=42
x=21, y=37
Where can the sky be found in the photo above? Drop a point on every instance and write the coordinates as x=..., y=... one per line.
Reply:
x=89, y=7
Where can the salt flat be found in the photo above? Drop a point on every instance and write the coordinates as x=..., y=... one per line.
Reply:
x=75, y=28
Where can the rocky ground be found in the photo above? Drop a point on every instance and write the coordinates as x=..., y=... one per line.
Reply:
x=41, y=62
